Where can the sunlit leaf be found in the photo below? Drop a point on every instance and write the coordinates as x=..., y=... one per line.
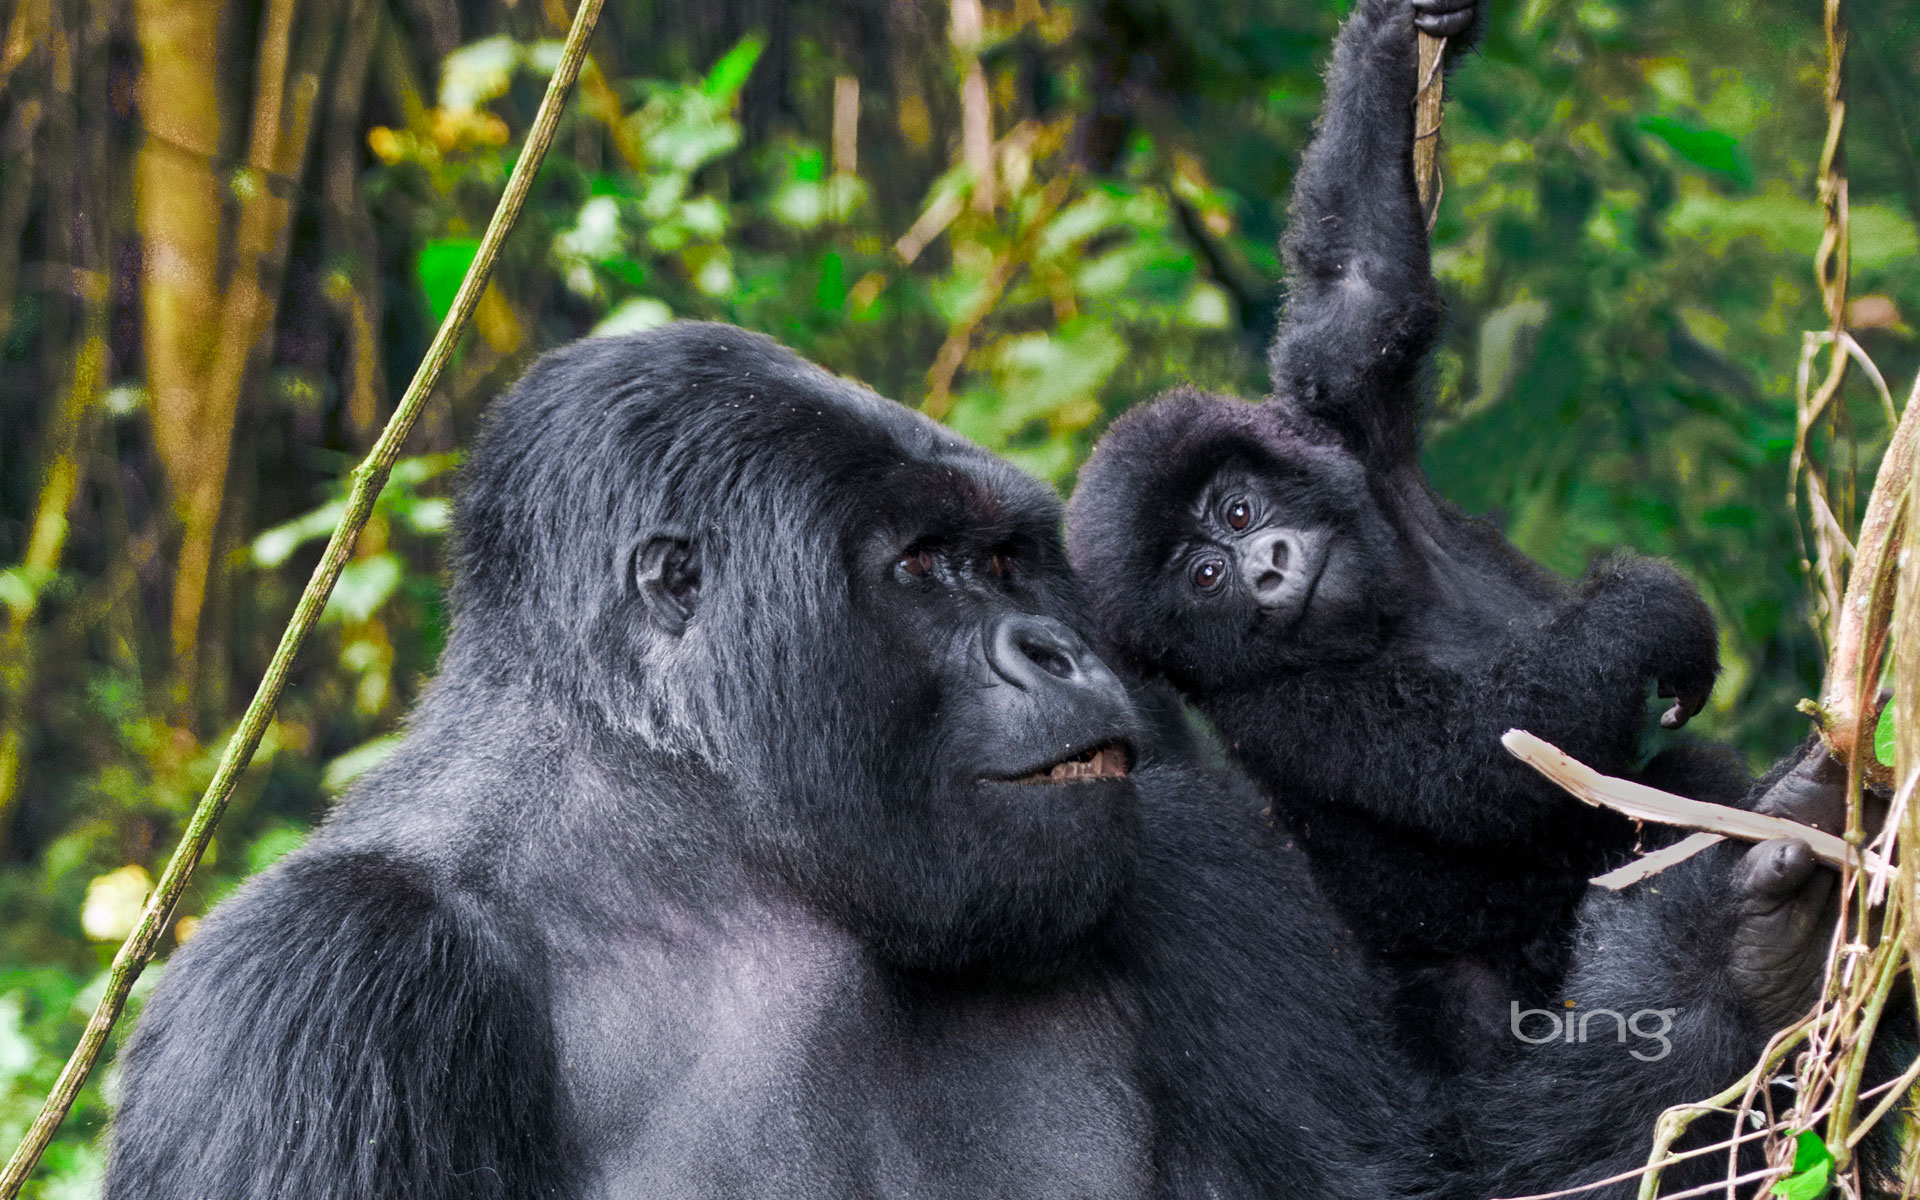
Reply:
x=357, y=761
x=475, y=74
x=1708, y=149
x=114, y=901
x=631, y=316
x=365, y=584
x=276, y=545
x=442, y=265
x=730, y=74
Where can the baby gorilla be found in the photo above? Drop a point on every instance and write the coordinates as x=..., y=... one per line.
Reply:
x=1358, y=641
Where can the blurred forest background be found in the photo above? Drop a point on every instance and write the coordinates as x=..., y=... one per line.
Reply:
x=229, y=227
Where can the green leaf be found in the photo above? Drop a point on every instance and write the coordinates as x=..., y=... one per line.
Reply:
x=1708, y=149
x=729, y=75
x=282, y=840
x=633, y=315
x=1812, y=1169
x=1883, y=736
x=443, y=264
x=274, y=546
x=355, y=762
x=478, y=73
x=831, y=294
x=364, y=585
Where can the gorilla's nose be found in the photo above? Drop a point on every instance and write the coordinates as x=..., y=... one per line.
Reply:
x=1033, y=652
x=1267, y=561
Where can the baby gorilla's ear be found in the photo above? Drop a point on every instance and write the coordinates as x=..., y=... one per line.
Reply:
x=666, y=573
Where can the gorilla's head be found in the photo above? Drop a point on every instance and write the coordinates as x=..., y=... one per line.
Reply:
x=1224, y=541
x=735, y=566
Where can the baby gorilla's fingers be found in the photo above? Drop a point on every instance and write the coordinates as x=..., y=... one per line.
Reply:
x=1688, y=701
x=1783, y=917
x=1443, y=18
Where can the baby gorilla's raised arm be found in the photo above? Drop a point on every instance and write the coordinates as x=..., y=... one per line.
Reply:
x=1362, y=312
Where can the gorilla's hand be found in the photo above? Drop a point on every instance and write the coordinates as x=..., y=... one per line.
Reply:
x=1783, y=896
x=1783, y=916
x=1443, y=18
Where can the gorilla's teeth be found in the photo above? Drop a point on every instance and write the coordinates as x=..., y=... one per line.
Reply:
x=1102, y=762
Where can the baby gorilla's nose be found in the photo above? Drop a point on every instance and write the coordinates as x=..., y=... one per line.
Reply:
x=1264, y=563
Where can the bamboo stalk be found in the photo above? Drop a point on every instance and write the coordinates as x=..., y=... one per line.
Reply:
x=282, y=126
x=1426, y=126
x=1859, y=632
x=368, y=479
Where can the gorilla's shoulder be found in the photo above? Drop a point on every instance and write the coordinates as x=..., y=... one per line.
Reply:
x=359, y=984
x=674, y=349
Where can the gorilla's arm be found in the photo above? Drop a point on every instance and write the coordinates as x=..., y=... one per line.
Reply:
x=1269, y=1056
x=1728, y=946
x=337, y=1029
x=1579, y=679
x=1632, y=620
x=1362, y=311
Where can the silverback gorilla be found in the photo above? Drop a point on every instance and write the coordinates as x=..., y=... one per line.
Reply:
x=772, y=831
x=1358, y=642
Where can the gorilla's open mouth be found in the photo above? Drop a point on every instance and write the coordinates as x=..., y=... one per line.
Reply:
x=1110, y=760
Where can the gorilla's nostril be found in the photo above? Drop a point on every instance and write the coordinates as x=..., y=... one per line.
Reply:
x=1049, y=659
x=1282, y=551
x=1028, y=651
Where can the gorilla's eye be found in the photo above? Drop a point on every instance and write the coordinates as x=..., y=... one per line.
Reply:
x=1239, y=514
x=1208, y=574
x=917, y=563
x=1000, y=566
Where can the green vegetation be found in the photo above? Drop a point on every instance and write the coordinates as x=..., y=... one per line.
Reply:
x=213, y=284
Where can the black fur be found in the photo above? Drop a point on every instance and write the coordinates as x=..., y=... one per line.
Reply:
x=693, y=875
x=1359, y=643
x=686, y=881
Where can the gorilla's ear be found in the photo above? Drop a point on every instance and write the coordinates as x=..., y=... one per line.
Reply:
x=666, y=572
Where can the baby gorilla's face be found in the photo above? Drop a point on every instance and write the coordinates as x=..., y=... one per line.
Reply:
x=1253, y=550
x=1274, y=571
x=1222, y=542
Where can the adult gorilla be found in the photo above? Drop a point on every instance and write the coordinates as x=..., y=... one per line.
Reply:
x=771, y=831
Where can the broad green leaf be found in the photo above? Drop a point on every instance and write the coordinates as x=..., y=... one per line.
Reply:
x=1812, y=1169
x=1708, y=149
x=631, y=316
x=365, y=584
x=443, y=264
x=473, y=75
x=1883, y=736
x=729, y=75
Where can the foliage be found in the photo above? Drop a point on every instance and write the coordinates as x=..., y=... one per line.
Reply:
x=1623, y=243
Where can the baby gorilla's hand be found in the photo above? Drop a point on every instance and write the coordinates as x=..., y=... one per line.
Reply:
x=1443, y=18
x=1662, y=628
x=1689, y=693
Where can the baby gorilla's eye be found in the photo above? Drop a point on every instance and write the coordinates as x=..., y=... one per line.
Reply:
x=1208, y=574
x=917, y=563
x=1000, y=566
x=1239, y=515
